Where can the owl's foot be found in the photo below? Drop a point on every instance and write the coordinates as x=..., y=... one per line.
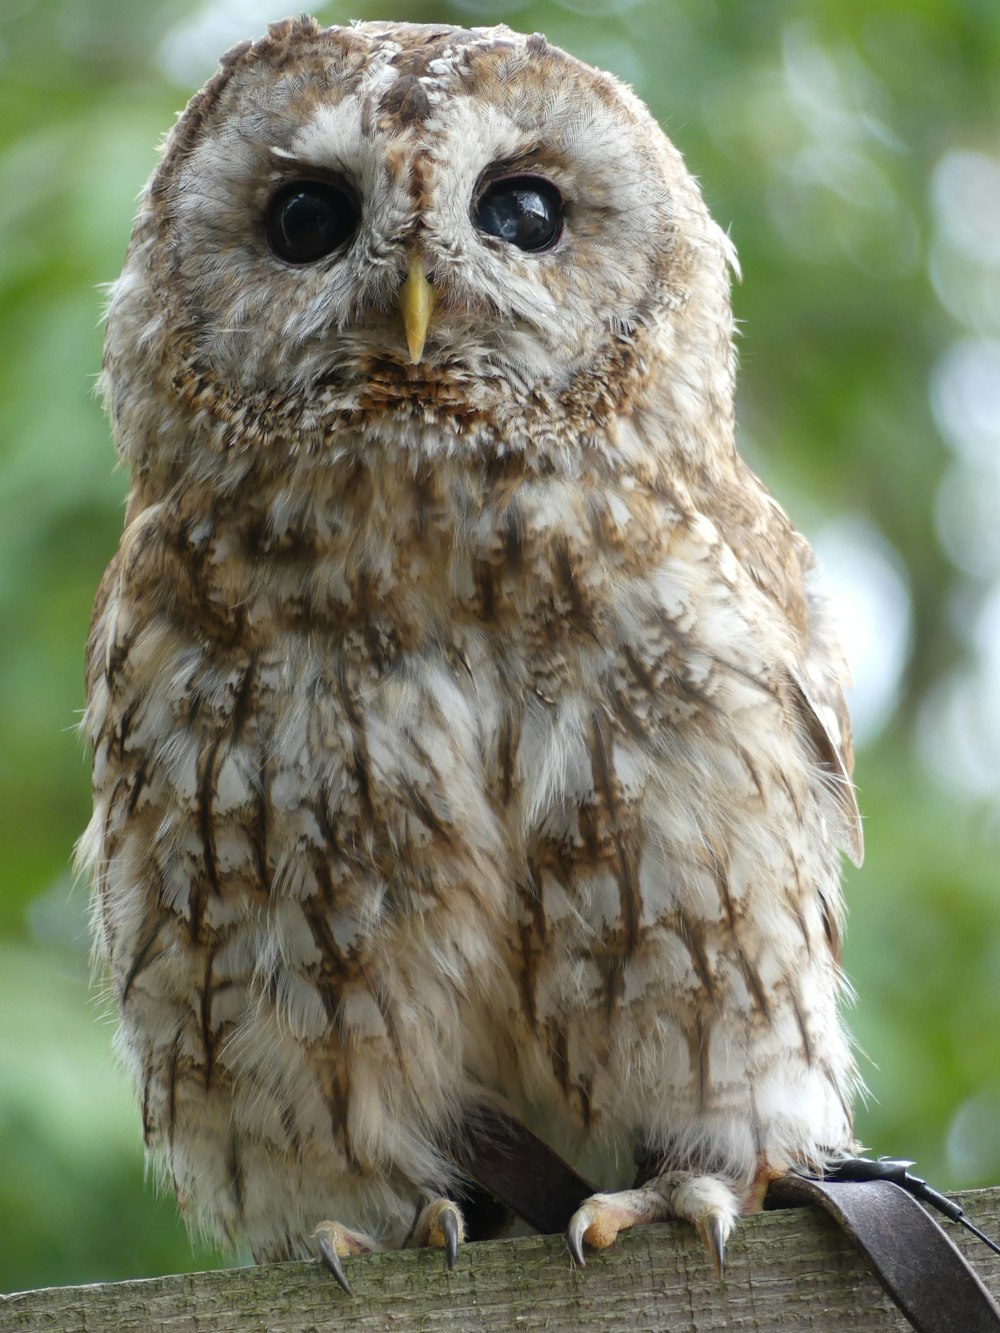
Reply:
x=707, y=1202
x=335, y=1242
x=440, y=1224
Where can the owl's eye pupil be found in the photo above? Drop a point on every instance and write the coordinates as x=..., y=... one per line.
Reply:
x=525, y=211
x=309, y=219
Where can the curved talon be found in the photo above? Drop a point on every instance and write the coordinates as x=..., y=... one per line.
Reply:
x=714, y=1235
x=332, y=1260
x=575, y=1233
x=449, y=1228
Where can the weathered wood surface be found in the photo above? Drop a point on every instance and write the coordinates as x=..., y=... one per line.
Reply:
x=786, y=1271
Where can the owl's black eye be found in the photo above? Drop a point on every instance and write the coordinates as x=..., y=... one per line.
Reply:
x=526, y=211
x=309, y=219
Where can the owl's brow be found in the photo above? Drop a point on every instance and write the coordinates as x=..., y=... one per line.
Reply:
x=286, y=157
x=530, y=156
x=286, y=160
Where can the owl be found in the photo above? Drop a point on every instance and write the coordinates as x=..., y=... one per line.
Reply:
x=467, y=731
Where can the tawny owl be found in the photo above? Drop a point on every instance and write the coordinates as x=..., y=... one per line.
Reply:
x=466, y=730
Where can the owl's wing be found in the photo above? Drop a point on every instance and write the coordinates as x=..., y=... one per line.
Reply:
x=782, y=565
x=816, y=693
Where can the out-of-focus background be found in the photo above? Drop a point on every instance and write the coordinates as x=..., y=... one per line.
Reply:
x=854, y=152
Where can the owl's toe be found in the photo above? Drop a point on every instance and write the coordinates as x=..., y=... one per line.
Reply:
x=585, y=1225
x=440, y=1224
x=335, y=1242
x=600, y=1218
x=707, y=1202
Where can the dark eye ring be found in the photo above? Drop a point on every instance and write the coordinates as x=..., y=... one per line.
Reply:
x=309, y=219
x=525, y=211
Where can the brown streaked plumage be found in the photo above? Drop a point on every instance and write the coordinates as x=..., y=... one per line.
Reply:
x=465, y=727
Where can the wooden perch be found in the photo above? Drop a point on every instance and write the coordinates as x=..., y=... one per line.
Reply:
x=785, y=1271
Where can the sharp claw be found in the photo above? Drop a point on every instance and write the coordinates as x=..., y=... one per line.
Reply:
x=715, y=1241
x=449, y=1229
x=574, y=1236
x=333, y=1262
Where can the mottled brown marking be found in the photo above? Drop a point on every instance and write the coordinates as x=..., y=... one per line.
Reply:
x=125, y=725
x=513, y=539
x=807, y=939
x=800, y=1020
x=626, y=717
x=531, y=935
x=172, y=1066
x=560, y=1057
x=332, y=973
x=244, y=699
x=567, y=574
x=407, y=100
x=506, y=752
x=831, y=758
x=793, y=796
x=486, y=591
x=291, y=1128
x=612, y=965
x=321, y=809
x=147, y=1123
x=702, y=1033
x=120, y=797
x=602, y=765
x=234, y=1171
x=643, y=676
x=755, y=987
x=207, y=778
x=385, y=1008
x=624, y=861
x=753, y=772
x=138, y=783
x=591, y=833
x=830, y=927
x=359, y=748
x=585, y=1090
x=142, y=960
x=424, y=811
x=205, y=1007
x=117, y=656
x=627, y=875
x=338, y=1097
x=257, y=830
x=425, y=504
x=692, y=935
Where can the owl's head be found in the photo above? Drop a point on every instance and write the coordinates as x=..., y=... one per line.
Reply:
x=406, y=218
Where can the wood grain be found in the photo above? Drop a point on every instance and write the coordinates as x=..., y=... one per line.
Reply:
x=788, y=1272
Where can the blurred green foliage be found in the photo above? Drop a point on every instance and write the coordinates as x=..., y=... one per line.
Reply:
x=818, y=129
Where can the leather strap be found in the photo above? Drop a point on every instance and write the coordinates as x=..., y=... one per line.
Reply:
x=915, y=1261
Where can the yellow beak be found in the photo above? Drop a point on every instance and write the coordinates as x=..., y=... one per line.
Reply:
x=416, y=301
